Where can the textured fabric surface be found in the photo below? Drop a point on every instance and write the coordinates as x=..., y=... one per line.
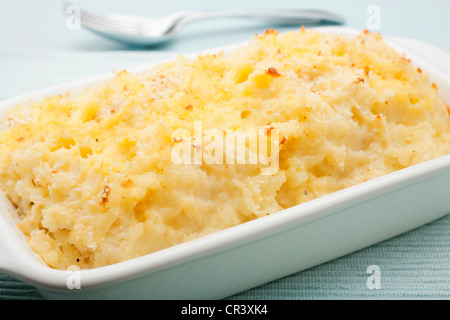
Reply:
x=415, y=265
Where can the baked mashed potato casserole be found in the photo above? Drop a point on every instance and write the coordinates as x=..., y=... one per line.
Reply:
x=92, y=176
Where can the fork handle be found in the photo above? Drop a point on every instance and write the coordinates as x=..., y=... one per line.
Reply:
x=284, y=16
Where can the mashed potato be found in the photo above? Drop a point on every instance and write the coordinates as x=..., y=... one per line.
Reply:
x=92, y=174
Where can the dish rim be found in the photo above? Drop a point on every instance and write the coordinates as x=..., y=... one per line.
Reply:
x=33, y=270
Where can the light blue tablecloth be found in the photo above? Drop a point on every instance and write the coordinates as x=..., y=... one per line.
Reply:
x=415, y=265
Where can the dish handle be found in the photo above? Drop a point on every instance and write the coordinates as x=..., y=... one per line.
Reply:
x=3, y=261
x=9, y=264
x=9, y=241
x=5, y=258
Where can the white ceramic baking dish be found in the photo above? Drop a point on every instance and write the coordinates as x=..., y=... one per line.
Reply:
x=230, y=261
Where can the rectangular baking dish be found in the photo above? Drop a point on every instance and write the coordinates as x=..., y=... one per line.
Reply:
x=242, y=257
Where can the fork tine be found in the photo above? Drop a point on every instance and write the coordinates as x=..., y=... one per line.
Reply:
x=99, y=27
x=112, y=26
x=106, y=19
x=96, y=21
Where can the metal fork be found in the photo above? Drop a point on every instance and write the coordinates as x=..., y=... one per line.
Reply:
x=146, y=31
